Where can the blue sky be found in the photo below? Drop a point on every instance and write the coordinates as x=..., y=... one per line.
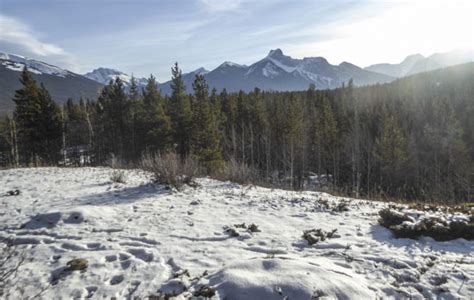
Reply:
x=146, y=36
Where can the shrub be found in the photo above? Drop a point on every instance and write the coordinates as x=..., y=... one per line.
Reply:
x=10, y=261
x=439, y=229
x=314, y=236
x=169, y=169
x=238, y=172
x=389, y=217
x=118, y=176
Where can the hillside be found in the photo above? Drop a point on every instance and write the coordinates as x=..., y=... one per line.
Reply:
x=62, y=84
x=139, y=239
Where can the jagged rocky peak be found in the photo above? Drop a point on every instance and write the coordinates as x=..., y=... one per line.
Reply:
x=275, y=53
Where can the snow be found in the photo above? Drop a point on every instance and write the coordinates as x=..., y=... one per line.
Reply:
x=141, y=239
x=104, y=75
x=17, y=62
x=281, y=65
x=231, y=64
x=270, y=71
x=200, y=71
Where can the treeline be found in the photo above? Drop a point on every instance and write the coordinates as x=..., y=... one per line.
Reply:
x=411, y=139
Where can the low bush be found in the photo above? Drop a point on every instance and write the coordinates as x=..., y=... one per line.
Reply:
x=171, y=170
x=389, y=217
x=118, y=176
x=314, y=236
x=403, y=226
x=237, y=172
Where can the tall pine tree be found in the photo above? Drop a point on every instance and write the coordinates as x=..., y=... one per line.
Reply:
x=206, y=137
x=181, y=114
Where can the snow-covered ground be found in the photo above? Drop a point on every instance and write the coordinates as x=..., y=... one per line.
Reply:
x=142, y=239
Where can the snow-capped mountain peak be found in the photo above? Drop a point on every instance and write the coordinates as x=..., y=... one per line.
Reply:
x=17, y=62
x=200, y=71
x=104, y=75
x=231, y=64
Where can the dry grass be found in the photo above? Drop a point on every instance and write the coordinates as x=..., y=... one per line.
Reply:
x=118, y=174
x=10, y=262
x=237, y=172
x=170, y=170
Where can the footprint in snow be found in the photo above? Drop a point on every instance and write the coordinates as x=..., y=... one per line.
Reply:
x=91, y=291
x=111, y=258
x=116, y=279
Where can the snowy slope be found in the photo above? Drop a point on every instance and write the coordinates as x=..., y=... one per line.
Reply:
x=61, y=83
x=17, y=62
x=105, y=75
x=140, y=239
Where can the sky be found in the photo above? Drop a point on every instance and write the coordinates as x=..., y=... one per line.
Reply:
x=146, y=37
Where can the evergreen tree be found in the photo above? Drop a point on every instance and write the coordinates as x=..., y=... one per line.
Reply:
x=38, y=121
x=390, y=149
x=134, y=94
x=113, y=110
x=181, y=114
x=157, y=123
x=328, y=131
x=49, y=127
x=229, y=111
x=206, y=134
x=25, y=107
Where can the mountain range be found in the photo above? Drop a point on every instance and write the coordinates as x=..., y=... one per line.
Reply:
x=61, y=83
x=276, y=71
x=417, y=63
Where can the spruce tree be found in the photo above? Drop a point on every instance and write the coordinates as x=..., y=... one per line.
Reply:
x=38, y=121
x=180, y=112
x=25, y=111
x=157, y=122
x=229, y=111
x=206, y=134
x=49, y=127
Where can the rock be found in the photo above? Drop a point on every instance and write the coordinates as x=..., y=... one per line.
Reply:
x=205, y=291
x=253, y=228
x=13, y=193
x=77, y=264
x=232, y=232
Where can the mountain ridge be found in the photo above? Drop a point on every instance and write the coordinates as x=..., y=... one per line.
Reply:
x=61, y=83
x=276, y=71
x=417, y=63
x=279, y=72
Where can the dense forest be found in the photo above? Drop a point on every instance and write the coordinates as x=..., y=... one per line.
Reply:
x=411, y=139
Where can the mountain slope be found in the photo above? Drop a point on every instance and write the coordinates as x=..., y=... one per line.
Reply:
x=61, y=83
x=104, y=75
x=188, y=79
x=279, y=72
x=397, y=70
x=417, y=63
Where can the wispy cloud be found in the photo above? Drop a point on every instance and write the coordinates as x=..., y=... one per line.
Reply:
x=17, y=37
x=221, y=5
